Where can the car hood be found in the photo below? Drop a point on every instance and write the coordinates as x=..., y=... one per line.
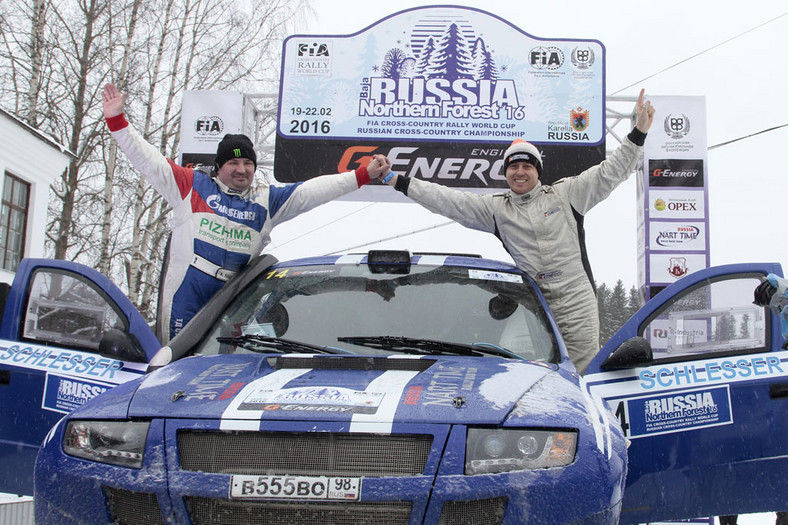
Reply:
x=443, y=389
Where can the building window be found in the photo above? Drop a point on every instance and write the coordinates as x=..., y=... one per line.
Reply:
x=13, y=221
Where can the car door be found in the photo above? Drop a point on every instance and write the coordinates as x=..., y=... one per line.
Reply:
x=67, y=335
x=706, y=412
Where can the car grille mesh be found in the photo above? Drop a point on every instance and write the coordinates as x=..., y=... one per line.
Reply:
x=476, y=512
x=306, y=453
x=210, y=511
x=131, y=508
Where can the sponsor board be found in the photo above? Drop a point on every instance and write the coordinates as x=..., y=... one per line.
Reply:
x=665, y=268
x=675, y=172
x=677, y=204
x=436, y=78
x=477, y=165
x=677, y=236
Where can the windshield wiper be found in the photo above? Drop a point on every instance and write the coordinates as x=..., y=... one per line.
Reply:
x=409, y=345
x=262, y=343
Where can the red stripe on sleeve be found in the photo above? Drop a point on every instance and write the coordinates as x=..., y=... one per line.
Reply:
x=117, y=122
x=362, y=176
x=184, y=178
x=199, y=205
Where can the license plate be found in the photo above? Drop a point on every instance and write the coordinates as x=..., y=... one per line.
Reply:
x=295, y=487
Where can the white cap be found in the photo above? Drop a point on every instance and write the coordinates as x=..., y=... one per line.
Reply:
x=522, y=151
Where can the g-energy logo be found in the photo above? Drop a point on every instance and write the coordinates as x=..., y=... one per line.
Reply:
x=481, y=168
x=676, y=172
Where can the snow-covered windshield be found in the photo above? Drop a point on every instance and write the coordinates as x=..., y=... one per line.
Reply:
x=335, y=305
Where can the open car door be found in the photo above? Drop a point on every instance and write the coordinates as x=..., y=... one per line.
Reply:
x=67, y=335
x=698, y=379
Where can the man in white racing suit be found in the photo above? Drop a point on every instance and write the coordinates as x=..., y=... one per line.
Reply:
x=541, y=226
x=218, y=221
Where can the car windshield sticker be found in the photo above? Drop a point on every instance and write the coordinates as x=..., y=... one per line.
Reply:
x=259, y=329
x=489, y=275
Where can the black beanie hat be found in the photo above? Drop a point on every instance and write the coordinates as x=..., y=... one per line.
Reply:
x=234, y=147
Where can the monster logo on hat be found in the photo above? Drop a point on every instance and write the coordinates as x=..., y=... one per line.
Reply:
x=234, y=147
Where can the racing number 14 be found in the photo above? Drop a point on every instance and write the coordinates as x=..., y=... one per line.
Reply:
x=621, y=414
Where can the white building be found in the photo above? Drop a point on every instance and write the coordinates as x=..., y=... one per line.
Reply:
x=29, y=162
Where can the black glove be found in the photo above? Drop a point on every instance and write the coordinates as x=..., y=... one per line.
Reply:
x=763, y=293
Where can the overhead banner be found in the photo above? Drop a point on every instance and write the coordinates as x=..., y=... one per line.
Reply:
x=442, y=90
x=206, y=116
x=673, y=194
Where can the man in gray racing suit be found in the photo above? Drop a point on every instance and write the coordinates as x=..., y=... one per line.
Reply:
x=541, y=226
x=219, y=221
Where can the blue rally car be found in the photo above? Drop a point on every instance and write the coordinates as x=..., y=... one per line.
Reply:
x=428, y=389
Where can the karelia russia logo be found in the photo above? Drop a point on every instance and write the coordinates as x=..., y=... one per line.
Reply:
x=579, y=119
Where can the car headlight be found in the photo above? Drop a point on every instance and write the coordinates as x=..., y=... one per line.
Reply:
x=115, y=442
x=493, y=450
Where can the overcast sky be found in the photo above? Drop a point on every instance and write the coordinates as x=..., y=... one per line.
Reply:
x=729, y=52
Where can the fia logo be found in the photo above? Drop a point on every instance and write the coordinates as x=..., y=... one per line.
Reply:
x=546, y=57
x=206, y=125
x=677, y=126
x=313, y=50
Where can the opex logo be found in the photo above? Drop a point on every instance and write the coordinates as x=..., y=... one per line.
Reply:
x=546, y=57
x=208, y=125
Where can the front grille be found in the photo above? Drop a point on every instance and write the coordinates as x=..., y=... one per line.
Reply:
x=305, y=453
x=474, y=512
x=210, y=511
x=131, y=508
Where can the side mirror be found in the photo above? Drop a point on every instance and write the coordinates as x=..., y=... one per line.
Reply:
x=120, y=345
x=631, y=353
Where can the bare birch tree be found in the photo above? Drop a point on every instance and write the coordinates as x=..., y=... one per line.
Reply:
x=54, y=59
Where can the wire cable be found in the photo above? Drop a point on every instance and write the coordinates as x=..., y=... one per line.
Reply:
x=700, y=53
x=414, y=232
x=323, y=226
x=746, y=137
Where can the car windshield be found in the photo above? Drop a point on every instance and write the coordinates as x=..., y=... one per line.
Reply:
x=348, y=308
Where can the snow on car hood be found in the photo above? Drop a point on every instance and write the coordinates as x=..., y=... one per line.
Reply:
x=443, y=389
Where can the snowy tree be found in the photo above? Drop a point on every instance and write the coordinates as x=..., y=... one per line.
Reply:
x=483, y=64
x=744, y=327
x=424, y=62
x=452, y=59
x=393, y=63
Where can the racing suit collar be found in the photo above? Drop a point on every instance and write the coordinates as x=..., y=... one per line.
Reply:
x=228, y=190
x=523, y=198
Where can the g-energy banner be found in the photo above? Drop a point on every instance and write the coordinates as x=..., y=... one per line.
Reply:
x=444, y=82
